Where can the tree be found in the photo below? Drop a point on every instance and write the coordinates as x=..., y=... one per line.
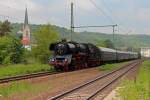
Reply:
x=44, y=37
x=101, y=43
x=11, y=51
x=5, y=28
x=108, y=44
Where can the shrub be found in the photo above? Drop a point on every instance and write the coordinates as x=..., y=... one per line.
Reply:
x=11, y=50
x=44, y=37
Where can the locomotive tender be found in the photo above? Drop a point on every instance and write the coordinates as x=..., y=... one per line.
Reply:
x=72, y=55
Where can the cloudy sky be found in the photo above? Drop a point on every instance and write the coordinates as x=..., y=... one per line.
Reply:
x=132, y=16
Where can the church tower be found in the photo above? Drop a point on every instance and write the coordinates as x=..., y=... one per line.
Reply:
x=26, y=37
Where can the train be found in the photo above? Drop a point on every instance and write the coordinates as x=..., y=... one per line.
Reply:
x=68, y=56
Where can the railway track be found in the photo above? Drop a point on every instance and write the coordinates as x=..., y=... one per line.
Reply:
x=89, y=90
x=27, y=76
x=23, y=77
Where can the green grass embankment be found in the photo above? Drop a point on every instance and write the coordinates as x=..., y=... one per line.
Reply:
x=110, y=67
x=139, y=89
x=24, y=86
x=21, y=69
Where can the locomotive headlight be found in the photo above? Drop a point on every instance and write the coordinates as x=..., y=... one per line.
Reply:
x=66, y=60
x=52, y=60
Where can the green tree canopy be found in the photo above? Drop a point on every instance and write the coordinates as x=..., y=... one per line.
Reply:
x=5, y=28
x=106, y=43
x=11, y=50
x=44, y=36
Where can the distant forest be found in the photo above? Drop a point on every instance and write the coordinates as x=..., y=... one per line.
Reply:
x=121, y=41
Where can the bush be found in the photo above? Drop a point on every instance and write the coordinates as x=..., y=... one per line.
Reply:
x=44, y=37
x=11, y=51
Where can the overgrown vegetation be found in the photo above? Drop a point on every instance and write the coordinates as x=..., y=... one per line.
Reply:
x=21, y=87
x=5, y=28
x=139, y=89
x=18, y=61
x=14, y=87
x=11, y=51
x=44, y=36
x=21, y=69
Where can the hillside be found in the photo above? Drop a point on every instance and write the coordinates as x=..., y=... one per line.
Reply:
x=135, y=41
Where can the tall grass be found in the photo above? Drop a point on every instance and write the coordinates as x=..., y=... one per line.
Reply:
x=21, y=69
x=139, y=90
x=14, y=87
x=22, y=87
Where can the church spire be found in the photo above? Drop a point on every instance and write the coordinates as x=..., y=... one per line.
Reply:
x=26, y=40
x=26, y=18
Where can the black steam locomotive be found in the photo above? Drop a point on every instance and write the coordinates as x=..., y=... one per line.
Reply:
x=72, y=56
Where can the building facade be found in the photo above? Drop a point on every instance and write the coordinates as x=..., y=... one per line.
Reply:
x=145, y=51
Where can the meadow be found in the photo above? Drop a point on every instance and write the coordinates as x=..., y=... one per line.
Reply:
x=110, y=67
x=22, y=69
x=139, y=89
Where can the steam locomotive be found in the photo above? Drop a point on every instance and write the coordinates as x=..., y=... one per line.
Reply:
x=73, y=56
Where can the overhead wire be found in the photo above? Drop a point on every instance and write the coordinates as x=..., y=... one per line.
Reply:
x=101, y=11
x=9, y=17
x=121, y=26
x=87, y=12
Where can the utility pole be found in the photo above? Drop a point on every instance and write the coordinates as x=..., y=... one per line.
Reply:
x=114, y=40
x=114, y=34
x=72, y=20
x=126, y=39
x=113, y=26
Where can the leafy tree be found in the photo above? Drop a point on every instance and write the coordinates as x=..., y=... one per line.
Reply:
x=5, y=28
x=108, y=44
x=11, y=50
x=44, y=36
x=101, y=43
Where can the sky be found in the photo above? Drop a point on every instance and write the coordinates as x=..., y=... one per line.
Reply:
x=131, y=16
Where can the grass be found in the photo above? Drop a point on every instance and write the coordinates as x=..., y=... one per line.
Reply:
x=139, y=90
x=14, y=87
x=26, y=87
x=109, y=67
x=21, y=69
x=22, y=87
